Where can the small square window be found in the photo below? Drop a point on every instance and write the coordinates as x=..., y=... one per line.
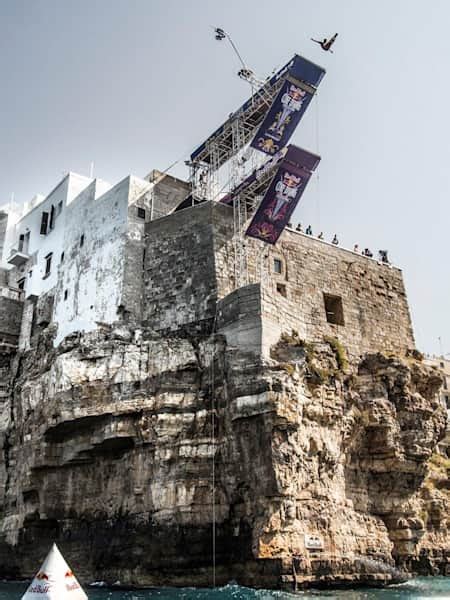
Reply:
x=52, y=217
x=48, y=264
x=21, y=283
x=66, y=293
x=277, y=266
x=334, y=309
x=281, y=289
x=82, y=241
x=44, y=223
x=62, y=257
x=141, y=212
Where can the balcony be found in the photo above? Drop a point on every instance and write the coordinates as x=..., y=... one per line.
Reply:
x=18, y=258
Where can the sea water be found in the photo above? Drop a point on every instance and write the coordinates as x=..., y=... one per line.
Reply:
x=422, y=587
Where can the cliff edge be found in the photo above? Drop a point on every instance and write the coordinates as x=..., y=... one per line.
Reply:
x=124, y=446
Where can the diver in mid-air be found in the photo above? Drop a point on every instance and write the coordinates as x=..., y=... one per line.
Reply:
x=326, y=44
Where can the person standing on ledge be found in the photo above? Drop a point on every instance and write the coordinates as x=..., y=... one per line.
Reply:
x=309, y=230
x=299, y=228
x=320, y=236
x=356, y=248
x=335, y=241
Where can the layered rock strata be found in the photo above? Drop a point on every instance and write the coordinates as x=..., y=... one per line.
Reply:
x=125, y=446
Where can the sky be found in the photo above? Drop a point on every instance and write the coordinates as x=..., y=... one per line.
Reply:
x=133, y=85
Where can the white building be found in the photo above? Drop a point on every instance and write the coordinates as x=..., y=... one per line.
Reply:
x=443, y=364
x=79, y=250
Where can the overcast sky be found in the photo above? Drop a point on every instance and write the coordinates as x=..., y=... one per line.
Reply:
x=137, y=84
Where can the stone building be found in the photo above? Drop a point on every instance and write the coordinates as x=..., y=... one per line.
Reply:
x=99, y=254
x=76, y=250
x=134, y=366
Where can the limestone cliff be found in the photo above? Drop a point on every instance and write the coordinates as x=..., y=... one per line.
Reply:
x=109, y=443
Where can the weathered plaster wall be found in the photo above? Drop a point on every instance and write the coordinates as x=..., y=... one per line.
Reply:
x=3, y=227
x=42, y=245
x=101, y=274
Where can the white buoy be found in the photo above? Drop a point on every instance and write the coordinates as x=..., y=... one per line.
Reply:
x=54, y=580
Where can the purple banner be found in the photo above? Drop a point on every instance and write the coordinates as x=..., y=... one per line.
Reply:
x=282, y=118
x=254, y=176
x=283, y=195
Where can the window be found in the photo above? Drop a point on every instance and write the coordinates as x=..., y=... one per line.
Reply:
x=66, y=293
x=48, y=264
x=82, y=241
x=141, y=212
x=52, y=217
x=59, y=208
x=44, y=223
x=62, y=257
x=277, y=266
x=21, y=241
x=30, y=274
x=21, y=283
x=334, y=309
x=281, y=289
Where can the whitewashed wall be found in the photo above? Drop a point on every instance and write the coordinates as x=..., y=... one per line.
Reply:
x=90, y=279
x=42, y=245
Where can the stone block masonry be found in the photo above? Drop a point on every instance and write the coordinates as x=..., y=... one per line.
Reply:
x=180, y=275
x=327, y=291
x=10, y=319
x=306, y=285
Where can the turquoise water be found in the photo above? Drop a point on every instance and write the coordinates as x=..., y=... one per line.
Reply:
x=422, y=587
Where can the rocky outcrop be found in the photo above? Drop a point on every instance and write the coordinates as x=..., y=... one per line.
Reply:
x=126, y=447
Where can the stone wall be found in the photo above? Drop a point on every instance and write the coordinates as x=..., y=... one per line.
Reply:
x=190, y=263
x=180, y=276
x=239, y=319
x=10, y=319
x=168, y=192
x=374, y=303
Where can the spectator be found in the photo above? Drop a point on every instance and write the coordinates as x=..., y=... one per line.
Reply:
x=356, y=248
x=289, y=225
x=320, y=236
x=299, y=228
x=367, y=252
x=309, y=230
x=383, y=256
x=335, y=241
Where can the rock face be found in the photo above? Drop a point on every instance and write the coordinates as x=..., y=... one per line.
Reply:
x=125, y=446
